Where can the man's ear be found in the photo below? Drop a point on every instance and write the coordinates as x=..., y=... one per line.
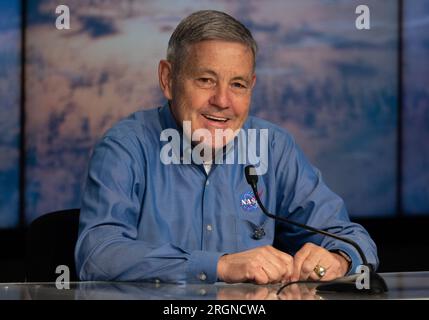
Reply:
x=253, y=81
x=165, y=78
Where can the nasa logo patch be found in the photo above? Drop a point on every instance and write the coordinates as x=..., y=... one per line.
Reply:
x=248, y=201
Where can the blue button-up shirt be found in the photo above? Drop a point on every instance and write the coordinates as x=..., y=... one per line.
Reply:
x=142, y=219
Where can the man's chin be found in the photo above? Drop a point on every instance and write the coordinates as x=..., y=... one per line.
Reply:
x=211, y=148
x=213, y=139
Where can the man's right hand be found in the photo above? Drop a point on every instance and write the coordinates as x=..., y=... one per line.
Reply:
x=261, y=265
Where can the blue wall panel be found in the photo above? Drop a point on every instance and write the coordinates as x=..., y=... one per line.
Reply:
x=10, y=84
x=416, y=107
x=333, y=86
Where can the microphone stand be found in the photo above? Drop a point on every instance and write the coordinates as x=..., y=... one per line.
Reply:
x=376, y=282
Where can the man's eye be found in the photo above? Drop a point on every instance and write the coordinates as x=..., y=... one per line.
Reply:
x=205, y=80
x=238, y=85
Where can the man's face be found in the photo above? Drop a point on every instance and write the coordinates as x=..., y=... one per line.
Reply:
x=213, y=89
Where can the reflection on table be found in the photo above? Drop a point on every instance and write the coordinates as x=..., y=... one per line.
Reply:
x=405, y=285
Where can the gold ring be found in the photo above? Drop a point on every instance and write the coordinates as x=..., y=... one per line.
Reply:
x=320, y=271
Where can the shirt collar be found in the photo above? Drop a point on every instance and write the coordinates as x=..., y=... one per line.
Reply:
x=167, y=118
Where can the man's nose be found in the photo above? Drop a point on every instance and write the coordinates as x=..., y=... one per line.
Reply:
x=220, y=97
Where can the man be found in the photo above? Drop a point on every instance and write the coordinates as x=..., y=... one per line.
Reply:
x=143, y=218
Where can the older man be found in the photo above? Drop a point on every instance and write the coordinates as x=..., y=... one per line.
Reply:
x=197, y=221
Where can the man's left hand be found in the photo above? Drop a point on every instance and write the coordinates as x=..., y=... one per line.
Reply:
x=310, y=256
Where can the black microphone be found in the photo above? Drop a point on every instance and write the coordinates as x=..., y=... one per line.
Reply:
x=376, y=282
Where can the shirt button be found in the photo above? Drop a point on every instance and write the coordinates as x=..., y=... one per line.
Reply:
x=207, y=182
x=202, y=276
x=209, y=227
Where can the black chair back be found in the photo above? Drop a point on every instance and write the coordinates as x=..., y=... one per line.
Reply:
x=51, y=241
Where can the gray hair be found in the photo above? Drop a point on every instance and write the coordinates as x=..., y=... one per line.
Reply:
x=207, y=25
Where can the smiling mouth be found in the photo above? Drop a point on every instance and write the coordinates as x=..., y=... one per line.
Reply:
x=213, y=118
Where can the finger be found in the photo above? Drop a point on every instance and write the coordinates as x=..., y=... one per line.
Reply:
x=269, y=263
x=310, y=261
x=332, y=268
x=307, y=269
x=298, y=260
x=274, y=274
x=284, y=271
x=285, y=263
x=315, y=277
x=271, y=256
x=260, y=276
x=330, y=275
x=273, y=265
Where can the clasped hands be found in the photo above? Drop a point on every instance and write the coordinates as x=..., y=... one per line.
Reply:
x=266, y=265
